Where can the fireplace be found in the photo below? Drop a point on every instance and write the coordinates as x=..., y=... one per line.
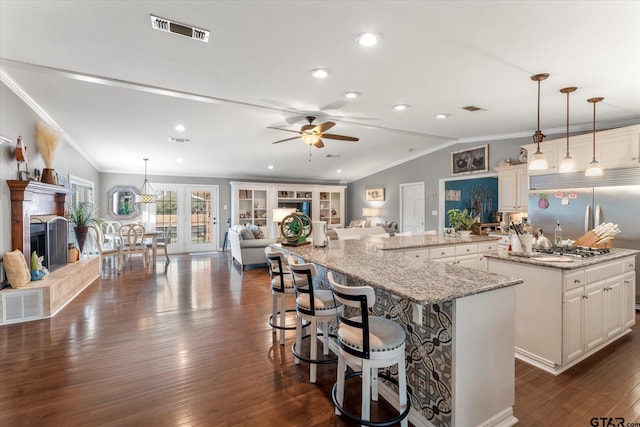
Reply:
x=49, y=239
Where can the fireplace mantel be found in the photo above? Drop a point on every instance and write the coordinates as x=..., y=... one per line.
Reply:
x=30, y=198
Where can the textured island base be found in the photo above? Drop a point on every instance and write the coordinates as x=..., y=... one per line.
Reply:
x=45, y=298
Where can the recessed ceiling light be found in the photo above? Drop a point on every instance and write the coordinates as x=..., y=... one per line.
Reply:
x=442, y=115
x=339, y=171
x=351, y=95
x=270, y=166
x=179, y=160
x=368, y=39
x=320, y=73
x=180, y=128
x=400, y=107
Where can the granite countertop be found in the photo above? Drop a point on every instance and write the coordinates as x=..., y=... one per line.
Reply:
x=426, y=241
x=570, y=264
x=416, y=279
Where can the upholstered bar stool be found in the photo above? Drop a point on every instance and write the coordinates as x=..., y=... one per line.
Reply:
x=281, y=289
x=318, y=308
x=368, y=342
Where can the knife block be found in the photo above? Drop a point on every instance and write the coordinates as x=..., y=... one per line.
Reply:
x=589, y=239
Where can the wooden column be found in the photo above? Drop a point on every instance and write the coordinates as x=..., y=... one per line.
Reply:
x=32, y=198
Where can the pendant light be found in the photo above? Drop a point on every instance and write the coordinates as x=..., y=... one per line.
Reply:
x=538, y=160
x=594, y=168
x=567, y=164
x=147, y=194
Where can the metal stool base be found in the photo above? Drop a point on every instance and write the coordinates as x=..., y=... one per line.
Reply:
x=287, y=328
x=353, y=418
x=308, y=359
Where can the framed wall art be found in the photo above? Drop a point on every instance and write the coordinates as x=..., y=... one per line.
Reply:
x=374, y=195
x=471, y=160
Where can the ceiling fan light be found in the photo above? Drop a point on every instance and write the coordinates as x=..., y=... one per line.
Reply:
x=567, y=165
x=310, y=138
x=594, y=169
x=538, y=161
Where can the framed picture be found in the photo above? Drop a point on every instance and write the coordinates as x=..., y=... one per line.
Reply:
x=471, y=160
x=374, y=194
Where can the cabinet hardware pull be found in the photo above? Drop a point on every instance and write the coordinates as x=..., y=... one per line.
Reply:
x=576, y=281
x=627, y=281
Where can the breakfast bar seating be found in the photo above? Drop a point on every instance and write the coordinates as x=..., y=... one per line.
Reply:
x=282, y=289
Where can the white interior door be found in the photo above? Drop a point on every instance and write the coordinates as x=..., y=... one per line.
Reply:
x=412, y=207
x=201, y=218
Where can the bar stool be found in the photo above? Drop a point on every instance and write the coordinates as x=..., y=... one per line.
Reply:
x=368, y=342
x=315, y=306
x=281, y=289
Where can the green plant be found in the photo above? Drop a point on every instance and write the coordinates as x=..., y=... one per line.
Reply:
x=82, y=215
x=461, y=220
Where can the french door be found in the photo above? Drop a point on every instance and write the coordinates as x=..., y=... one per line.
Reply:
x=192, y=214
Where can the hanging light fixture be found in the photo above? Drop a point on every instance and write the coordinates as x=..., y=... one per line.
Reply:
x=538, y=160
x=594, y=168
x=567, y=164
x=147, y=194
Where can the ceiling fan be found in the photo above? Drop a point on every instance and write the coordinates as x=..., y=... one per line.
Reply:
x=312, y=134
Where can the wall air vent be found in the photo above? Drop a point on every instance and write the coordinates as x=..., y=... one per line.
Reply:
x=166, y=25
x=180, y=140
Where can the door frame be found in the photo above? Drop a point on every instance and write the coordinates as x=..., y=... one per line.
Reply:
x=409, y=184
x=215, y=212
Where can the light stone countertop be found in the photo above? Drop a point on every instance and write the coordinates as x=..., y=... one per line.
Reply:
x=425, y=241
x=575, y=263
x=416, y=279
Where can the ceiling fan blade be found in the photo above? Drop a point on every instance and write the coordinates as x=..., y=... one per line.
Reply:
x=283, y=140
x=319, y=144
x=324, y=126
x=340, y=137
x=286, y=130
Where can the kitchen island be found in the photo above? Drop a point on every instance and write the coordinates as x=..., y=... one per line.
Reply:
x=567, y=309
x=459, y=324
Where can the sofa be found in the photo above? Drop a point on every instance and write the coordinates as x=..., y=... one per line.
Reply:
x=247, y=245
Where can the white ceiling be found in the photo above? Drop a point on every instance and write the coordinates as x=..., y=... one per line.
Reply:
x=117, y=87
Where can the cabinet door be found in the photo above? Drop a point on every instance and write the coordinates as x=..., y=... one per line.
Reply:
x=507, y=188
x=594, y=314
x=469, y=261
x=614, y=307
x=618, y=151
x=629, y=299
x=573, y=324
x=522, y=195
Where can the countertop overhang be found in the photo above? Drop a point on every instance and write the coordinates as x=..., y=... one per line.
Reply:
x=573, y=264
x=415, y=279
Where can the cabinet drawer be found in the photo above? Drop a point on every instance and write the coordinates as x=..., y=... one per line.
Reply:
x=604, y=271
x=466, y=249
x=574, y=279
x=629, y=264
x=441, y=252
x=487, y=247
x=419, y=253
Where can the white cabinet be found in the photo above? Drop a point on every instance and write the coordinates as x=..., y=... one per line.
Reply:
x=465, y=255
x=330, y=206
x=615, y=148
x=513, y=188
x=629, y=293
x=572, y=320
x=250, y=204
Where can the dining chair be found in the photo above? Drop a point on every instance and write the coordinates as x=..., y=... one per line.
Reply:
x=163, y=242
x=105, y=249
x=132, y=241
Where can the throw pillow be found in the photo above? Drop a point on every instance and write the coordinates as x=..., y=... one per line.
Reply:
x=15, y=265
x=257, y=231
x=247, y=234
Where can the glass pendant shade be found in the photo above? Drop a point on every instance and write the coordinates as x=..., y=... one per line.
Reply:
x=147, y=194
x=567, y=165
x=538, y=160
x=594, y=168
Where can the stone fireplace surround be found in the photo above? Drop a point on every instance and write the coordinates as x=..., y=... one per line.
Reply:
x=32, y=198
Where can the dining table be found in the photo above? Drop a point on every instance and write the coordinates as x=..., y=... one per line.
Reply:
x=148, y=237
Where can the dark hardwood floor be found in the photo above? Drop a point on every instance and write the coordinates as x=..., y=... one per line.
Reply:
x=191, y=347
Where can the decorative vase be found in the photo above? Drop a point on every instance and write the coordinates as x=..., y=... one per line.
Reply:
x=49, y=176
x=81, y=236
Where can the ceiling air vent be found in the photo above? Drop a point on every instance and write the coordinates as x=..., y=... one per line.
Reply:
x=472, y=108
x=179, y=140
x=169, y=26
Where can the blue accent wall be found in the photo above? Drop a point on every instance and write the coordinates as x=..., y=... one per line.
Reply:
x=490, y=186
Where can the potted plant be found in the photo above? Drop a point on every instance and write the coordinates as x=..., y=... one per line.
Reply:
x=462, y=221
x=81, y=217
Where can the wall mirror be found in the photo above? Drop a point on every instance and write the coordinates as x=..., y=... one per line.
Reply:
x=122, y=202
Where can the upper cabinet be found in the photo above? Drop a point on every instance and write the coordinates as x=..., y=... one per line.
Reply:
x=330, y=206
x=615, y=148
x=250, y=204
x=513, y=188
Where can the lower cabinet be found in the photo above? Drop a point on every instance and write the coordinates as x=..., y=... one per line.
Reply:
x=470, y=255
